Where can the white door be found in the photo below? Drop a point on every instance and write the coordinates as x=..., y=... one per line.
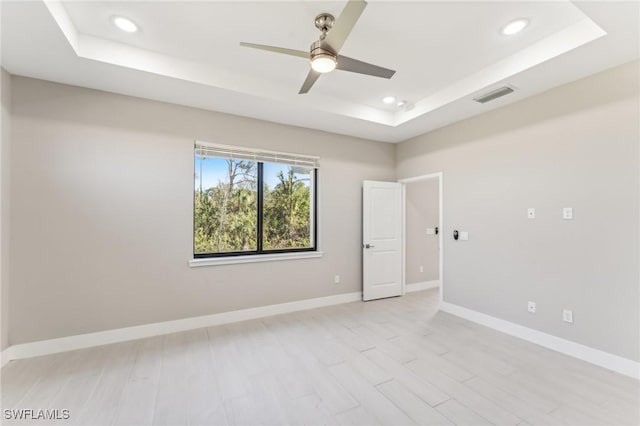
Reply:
x=381, y=239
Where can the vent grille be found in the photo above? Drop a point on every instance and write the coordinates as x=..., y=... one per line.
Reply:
x=494, y=94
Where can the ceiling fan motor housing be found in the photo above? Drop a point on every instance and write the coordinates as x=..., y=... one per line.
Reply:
x=317, y=51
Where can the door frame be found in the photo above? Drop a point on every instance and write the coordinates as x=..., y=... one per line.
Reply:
x=404, y=182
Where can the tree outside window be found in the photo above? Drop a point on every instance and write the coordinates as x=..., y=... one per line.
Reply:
x=252, y=207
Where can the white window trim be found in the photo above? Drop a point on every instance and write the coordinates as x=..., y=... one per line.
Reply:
x=234, y=260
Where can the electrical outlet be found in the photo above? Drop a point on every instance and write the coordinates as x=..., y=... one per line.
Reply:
x=531, y=213
x=421, y=268
x=567, y=316
x=336, y=279
x=531, y=307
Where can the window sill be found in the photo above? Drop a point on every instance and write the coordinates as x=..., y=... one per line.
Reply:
x=232, y=260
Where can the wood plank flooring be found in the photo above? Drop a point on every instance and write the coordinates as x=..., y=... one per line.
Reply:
x=388, y=362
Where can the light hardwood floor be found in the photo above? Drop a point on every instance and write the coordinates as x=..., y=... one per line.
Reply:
x=393, y=362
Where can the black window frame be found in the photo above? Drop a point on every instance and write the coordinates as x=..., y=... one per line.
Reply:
x=260, y=222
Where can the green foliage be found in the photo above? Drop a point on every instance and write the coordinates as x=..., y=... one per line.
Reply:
x=225, y=216
x=286, y=213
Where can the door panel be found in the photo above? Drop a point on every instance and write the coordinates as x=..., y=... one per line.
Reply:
x=382, y=239
x=383, y=221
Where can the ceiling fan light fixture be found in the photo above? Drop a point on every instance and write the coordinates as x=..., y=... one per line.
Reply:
x=323, y=56
x=323, y=63
x=515, y=26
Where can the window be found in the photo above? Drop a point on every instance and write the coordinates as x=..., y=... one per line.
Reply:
x=253, y=202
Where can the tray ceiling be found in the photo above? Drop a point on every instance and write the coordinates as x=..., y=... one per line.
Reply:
x=445, y=53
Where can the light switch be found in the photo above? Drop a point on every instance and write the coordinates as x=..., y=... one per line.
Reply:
x=531, y=213
x=431, y=231
x=567, y=213
x=464, y=236
x=567, y=316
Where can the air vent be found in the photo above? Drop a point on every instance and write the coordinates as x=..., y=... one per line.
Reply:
x=494, y=94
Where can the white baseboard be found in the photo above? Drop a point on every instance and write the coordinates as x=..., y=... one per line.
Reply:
x=5, y=356
x=63, y=344
x=600, y=358
x=423, y=285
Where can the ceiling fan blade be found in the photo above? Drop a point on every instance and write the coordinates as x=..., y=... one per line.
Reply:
x=275, y=49
x=310, y=80
x=344, y=24
x=353, y=65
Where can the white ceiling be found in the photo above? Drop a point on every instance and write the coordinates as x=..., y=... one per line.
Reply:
x=445, y=53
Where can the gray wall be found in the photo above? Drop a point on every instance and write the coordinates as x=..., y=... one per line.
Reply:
x=5, y=148
x=574, y=146
x=421, y=213
x=102, y=189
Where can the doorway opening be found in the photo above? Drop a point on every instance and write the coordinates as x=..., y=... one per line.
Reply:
x=423, y=230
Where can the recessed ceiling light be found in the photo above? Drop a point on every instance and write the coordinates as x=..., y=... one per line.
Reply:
x=389, y=99
x=126, y=25
x=515, y=27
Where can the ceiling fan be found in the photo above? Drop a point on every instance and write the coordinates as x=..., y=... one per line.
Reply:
x=324, y=54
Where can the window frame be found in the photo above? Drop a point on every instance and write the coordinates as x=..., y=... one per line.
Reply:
x=260, y=251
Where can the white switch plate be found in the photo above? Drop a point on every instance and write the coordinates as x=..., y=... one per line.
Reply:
x=531, y=307
x=567, y=316
x=531, y=213
x=464, y=236
x=567, y=213
x=336, y=279
x=431, y=231
x=421, y=268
